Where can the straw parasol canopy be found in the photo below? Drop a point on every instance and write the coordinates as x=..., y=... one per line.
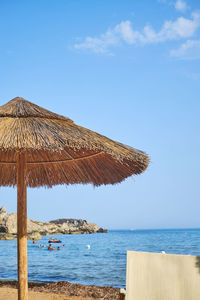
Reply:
x=59, y=151
x=41, y=148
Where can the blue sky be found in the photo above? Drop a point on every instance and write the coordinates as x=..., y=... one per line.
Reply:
x=127, y=69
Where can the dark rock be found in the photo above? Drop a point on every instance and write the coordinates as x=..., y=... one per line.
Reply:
x=101, y=230
x=78, y=222
x=3, y=229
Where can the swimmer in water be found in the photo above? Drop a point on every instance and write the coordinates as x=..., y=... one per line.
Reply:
x=50, y=248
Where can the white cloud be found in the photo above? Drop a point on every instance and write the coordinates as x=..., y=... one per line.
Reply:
x=101, y=44
x=181, y=5
x=189, y=50
x=125, y=33
x=181, y=28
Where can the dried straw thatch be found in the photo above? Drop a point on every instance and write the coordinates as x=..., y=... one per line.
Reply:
x=59, y=151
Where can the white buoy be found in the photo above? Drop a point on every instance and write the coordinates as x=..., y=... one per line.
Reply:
x=88, y=246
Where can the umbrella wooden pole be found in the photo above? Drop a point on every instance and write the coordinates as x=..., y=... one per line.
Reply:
x=22, y=227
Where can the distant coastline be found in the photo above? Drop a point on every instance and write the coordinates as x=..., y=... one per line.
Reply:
x=154, y=229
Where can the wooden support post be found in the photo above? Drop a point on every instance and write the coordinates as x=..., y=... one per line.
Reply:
x=22, y=227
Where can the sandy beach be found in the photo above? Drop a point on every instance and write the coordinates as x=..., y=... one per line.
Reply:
x=11, y=294
x=62, y=290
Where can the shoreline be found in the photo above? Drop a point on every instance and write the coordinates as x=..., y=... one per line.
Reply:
x=66, y=289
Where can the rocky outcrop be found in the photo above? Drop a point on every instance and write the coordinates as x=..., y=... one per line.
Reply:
x=34, y=236
x=7, y=236
x=74, y=226
x=8, y=226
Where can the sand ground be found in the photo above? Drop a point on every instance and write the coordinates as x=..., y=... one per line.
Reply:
x=11, y=294
x=61, y=290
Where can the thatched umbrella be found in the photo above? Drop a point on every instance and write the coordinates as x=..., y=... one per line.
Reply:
x=41, y=148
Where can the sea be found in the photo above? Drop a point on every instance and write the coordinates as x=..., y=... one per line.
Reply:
x=94, y=259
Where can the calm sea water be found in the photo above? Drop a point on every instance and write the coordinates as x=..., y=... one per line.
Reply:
x=104, y=263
